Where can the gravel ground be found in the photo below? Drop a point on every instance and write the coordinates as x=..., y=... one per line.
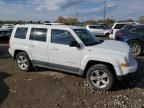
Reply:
x=45, y=88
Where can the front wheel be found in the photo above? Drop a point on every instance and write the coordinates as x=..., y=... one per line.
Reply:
x=100, y=77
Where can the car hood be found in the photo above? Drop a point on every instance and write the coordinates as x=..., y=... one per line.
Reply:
x=111, y=46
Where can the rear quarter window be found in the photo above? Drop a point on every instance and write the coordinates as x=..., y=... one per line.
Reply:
x=21, y=33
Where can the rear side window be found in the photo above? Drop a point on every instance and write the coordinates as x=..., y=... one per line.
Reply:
x=119, y=26
x=38, y=34
x=138, y=30
x=21, y=33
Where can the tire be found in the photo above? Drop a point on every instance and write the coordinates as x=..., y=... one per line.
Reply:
x=23, y=62
x=136, y=48
x=100, y=77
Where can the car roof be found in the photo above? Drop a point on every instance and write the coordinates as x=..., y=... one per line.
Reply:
x=121, y=23
x=43, y=25
x=138, y=25
x=8, y=24
x=124, y=22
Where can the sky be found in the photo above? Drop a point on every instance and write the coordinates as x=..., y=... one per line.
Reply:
x=82, y=9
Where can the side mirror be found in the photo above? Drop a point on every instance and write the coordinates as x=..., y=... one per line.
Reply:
x=74, y=44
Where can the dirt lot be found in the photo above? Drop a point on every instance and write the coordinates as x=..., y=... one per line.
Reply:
x=45, y=88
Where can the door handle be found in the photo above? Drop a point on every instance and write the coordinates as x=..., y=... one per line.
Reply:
x=55, y=49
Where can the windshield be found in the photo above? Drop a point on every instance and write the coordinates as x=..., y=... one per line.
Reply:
x=86, y=37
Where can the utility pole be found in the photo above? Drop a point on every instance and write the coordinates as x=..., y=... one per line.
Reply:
x=77, y=15
x=105, y=6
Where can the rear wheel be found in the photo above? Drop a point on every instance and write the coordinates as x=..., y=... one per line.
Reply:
x=136, y=47
x=23, y=62
x=100, y=77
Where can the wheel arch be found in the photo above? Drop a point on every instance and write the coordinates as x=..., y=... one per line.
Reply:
x=93, y=62
x=18, y=51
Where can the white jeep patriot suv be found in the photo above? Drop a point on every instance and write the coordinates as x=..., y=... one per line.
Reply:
x=73, y=50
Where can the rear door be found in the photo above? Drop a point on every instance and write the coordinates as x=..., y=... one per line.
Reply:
x=38, y=44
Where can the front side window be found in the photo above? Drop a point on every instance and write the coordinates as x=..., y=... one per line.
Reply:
x=61, y=37
x=21, y=32
x=86, y=37
x=38, y=34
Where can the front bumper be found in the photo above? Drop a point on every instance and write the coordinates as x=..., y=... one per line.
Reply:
x=131, y=68
x=125, y=77
x=129, y=71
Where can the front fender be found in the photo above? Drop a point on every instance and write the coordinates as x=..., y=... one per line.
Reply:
x=102, y=59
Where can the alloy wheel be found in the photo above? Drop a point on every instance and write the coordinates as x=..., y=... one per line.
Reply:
x=99, y=79
x=22, y=62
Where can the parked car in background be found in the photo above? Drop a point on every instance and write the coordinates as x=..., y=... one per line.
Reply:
x=74, y=50
x=99, y=30
x=118, y=26
x=134, y=36
x=79, y=25
x=7, y=26
x=5, y=32
x=115, y=28
x=107, y=26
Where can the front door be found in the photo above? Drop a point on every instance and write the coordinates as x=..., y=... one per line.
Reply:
x=62, y=56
